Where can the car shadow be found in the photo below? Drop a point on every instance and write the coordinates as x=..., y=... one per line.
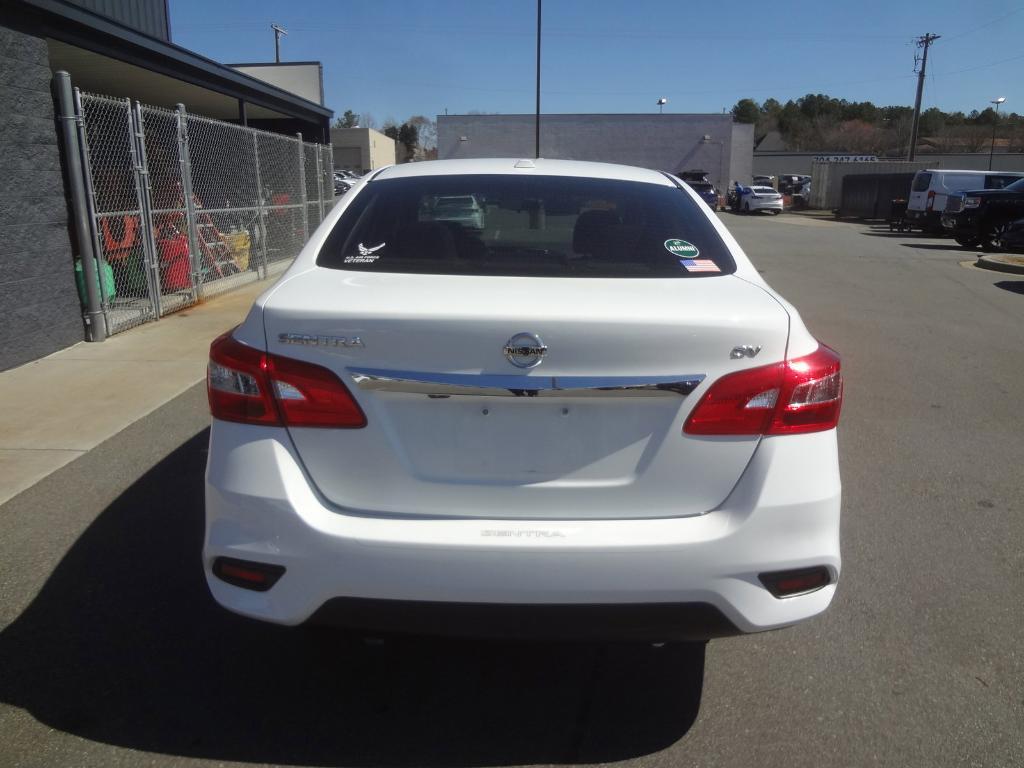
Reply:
x=124, y=645
x=939, y=247
x=1013, y=286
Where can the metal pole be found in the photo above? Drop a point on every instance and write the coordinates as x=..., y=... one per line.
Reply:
x=261, y=213
x=90, y=199
x=185, y=161
x=278, y=31
x=152, y=259
x=320, y=182
x=536, y=118
x=992, y=146
x=95, y=326
x=302, y=186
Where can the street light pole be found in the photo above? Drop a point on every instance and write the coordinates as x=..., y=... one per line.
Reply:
x=278, y=31
x=992, y=146
x=536, y=114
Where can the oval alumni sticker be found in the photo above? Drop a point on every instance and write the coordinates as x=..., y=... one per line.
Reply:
x=681, y=248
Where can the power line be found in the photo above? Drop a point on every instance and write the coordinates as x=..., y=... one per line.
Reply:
x=983, y=26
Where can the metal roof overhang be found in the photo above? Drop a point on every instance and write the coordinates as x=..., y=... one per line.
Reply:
x=83, y=29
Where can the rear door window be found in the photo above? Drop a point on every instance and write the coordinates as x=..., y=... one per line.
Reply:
x=960, y=181
x=921, y=182
x=536, y=226
x=1000, y=182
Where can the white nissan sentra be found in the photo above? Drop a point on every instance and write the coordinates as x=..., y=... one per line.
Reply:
x=588, y=417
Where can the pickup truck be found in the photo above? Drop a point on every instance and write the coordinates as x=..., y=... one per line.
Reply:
x=982, y=216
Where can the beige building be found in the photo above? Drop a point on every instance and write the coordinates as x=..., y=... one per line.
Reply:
x=361, y=149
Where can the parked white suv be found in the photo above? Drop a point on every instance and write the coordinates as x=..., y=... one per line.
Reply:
x=590, y=417
x=930, y=188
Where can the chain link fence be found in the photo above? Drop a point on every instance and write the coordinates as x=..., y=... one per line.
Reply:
x=185, y=207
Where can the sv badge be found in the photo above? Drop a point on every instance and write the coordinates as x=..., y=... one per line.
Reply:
x=745, y=350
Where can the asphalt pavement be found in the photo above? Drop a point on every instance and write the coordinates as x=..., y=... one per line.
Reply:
x=112, y=653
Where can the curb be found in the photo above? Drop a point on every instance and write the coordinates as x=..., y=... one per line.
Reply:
x=993, y=263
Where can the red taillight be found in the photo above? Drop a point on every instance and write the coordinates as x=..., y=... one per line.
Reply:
x=801, y=395
x=789, y=583
x=931, y=199
x=247, y=574
x=253, y=387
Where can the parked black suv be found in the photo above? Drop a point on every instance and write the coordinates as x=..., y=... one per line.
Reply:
x=981, y=217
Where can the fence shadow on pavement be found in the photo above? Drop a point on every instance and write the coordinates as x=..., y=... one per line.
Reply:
x=123, y=645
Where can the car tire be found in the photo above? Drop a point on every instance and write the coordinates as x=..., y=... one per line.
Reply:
x=966, y=241
x=992, y=234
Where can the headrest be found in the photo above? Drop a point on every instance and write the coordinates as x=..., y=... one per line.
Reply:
x=426, y=236
x=595, y=231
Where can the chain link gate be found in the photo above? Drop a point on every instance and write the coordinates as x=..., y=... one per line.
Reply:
x=184, y=207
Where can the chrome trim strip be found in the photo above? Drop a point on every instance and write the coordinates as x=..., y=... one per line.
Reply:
x=498, y=385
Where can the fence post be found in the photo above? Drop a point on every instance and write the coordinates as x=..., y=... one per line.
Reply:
x=302, y=186
x=95, y=323
x=138, y=153
x=261, y=211
x=320, y=182
x=185, y=160
x=328, y=174
x=90, y=201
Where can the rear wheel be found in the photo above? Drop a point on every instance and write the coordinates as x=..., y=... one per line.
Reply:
x=992, y=234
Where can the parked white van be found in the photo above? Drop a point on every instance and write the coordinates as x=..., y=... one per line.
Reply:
x=930, y=188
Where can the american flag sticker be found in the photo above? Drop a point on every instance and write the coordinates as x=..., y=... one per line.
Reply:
x=699, y=265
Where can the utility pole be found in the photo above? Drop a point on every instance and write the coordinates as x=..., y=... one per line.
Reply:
x=536, y=117
x=278, y=31
x=925, y=42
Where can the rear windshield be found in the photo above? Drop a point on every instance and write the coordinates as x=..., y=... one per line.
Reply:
x=921, y=182
x=533, y=226
x=700, y=186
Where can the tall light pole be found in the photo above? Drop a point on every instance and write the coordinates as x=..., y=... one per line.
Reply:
x=278, y=31
x=536, y=115
x=992, y=146
x=661, y=105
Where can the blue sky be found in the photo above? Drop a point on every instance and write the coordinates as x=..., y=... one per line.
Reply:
x=398, y=58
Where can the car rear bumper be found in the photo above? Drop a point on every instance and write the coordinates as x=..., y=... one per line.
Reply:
x=765, y=205
x=663, y=578
x=555, y=621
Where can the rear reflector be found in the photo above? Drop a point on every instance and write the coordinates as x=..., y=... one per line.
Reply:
x=247, y=574
x=801, y=395
x=252, y=387
x=789, y=583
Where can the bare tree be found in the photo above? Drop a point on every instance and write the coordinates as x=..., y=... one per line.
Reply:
x=367, y=120
x=426, y=132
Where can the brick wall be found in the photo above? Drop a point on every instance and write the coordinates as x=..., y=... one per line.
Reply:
x=39, y=307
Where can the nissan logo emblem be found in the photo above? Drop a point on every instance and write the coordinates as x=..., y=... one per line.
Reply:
x=525, y=350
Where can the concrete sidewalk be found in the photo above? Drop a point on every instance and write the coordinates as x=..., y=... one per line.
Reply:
x=61, y=406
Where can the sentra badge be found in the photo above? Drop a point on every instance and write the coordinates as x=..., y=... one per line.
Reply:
x=309, y=340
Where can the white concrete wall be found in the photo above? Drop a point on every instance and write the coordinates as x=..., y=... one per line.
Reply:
x=668, y=142
x=778, y=163
x=304, y=79
x=361, y=149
